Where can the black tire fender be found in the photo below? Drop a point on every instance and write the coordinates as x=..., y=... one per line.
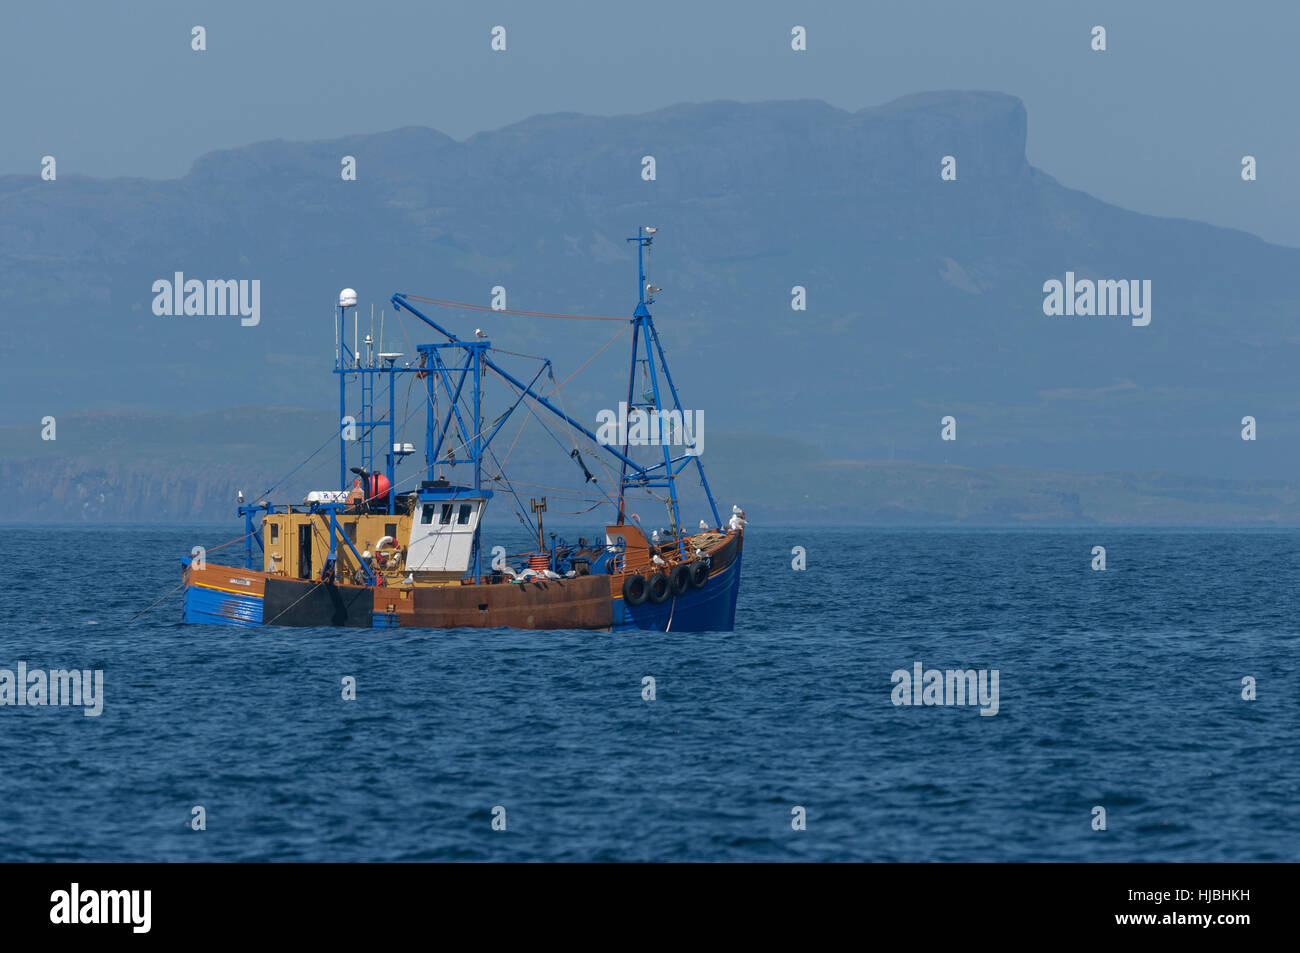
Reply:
x=657, y=588
x=699, y=571
x=635, y=589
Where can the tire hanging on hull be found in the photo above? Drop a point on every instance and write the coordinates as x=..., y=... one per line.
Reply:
x=699, y=574
x=658, y=588
x=635, y=589
x=680, y=579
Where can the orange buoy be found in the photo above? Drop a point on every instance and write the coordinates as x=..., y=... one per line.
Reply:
x=378, y=487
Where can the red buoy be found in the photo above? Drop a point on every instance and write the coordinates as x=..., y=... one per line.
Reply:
x=378, y=488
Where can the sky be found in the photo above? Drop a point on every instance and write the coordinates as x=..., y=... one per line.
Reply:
x=112, y=87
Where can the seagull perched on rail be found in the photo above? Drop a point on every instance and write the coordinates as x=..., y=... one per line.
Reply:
x=480, y=333
x=658, y=560
x=703, y=525
x=654, y=536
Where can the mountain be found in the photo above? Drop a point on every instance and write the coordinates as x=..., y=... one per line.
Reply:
x=106, y=467
x=924, y=296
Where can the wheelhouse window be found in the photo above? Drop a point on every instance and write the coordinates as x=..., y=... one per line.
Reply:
x=426, y=513
x=445, y=517
x=465, y=510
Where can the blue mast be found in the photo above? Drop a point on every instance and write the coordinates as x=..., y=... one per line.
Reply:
x=643, y=325
x=365, y=371
x=347, y=299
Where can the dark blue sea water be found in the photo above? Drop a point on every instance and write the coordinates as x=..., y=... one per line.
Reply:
x=1120, y=689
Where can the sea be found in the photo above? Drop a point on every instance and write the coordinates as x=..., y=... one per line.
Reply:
x=1144, y=711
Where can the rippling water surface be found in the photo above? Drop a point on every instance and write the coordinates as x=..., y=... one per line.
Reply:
x=1120, y=689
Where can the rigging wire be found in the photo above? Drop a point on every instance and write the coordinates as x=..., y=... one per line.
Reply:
x=520, y=512
x=447, y=303
x=213, y=549
x=557, y=389
x=541, y=424
x=328, y=440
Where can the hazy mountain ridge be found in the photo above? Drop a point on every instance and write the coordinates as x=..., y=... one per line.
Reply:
x=115, y=467
x=924, y=296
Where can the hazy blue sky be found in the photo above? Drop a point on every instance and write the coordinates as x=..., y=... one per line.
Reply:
x=1158, y=123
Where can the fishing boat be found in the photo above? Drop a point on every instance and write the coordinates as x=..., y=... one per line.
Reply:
x=375, y=552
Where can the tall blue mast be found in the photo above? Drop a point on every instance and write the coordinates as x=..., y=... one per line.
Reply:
x=643, y=327
x=346, y=362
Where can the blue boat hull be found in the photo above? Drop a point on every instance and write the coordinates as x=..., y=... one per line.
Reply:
x=711, y=608
x=210, y=606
